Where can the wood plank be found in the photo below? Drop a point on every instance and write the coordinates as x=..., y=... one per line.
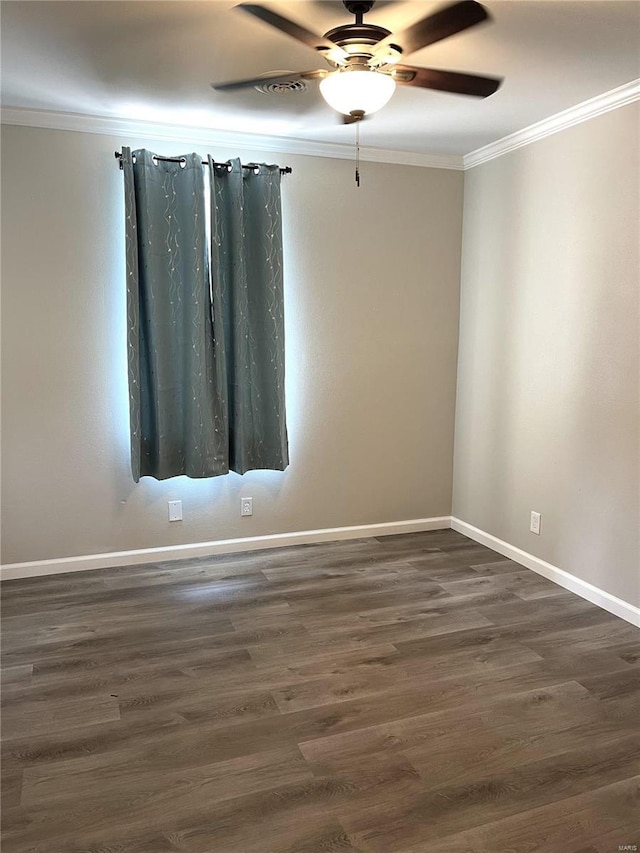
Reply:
x=47, y=716
x=523, y=714
x=409, y=694
x=442, y=811
x=223, y=780
x=605, y=817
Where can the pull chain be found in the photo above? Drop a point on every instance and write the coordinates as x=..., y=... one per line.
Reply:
x=358, y=153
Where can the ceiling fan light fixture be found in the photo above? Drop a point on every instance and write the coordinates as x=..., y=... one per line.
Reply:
x=355, y=90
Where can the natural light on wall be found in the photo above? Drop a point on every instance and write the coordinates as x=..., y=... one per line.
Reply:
x=203, y=120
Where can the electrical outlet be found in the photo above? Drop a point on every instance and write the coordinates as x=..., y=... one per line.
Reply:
x=175, y=510
x=534, y=525
x=246, y=506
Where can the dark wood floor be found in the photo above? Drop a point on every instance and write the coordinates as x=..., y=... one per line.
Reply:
x=410, y=694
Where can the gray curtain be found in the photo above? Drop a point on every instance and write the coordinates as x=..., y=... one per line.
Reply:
x=246, y=272
x=203, y=400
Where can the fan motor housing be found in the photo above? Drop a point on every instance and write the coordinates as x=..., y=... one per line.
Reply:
x=349, y=35
x=358, y=7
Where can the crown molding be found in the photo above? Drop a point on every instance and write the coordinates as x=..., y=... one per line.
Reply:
x=114, y=126
x=104, y=125
x=619, y=97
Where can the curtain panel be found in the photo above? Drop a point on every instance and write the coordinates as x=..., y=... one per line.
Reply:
x=205, y=317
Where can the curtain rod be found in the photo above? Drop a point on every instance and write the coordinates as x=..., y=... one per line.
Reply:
x=284, y=170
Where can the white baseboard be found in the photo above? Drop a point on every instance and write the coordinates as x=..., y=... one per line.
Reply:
x=222, y=546
x=585, y=590
x=591, y=593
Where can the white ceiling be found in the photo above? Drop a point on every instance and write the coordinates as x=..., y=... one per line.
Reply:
x=151, y=60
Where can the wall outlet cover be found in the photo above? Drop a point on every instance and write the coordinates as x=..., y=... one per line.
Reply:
x=534, y=524
x=246, y=506
x=175, y=510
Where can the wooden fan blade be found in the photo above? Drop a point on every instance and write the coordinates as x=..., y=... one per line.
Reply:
x=290, y=28
x=446, y=81
x=447, y=22
x=318, y=74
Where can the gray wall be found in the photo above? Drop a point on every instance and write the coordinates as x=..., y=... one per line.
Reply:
x=372, y=284
x=548, y=377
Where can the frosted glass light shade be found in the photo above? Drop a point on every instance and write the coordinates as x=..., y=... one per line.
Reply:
x=368, y=91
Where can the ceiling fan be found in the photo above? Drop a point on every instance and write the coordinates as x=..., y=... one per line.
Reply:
x=365, y=58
